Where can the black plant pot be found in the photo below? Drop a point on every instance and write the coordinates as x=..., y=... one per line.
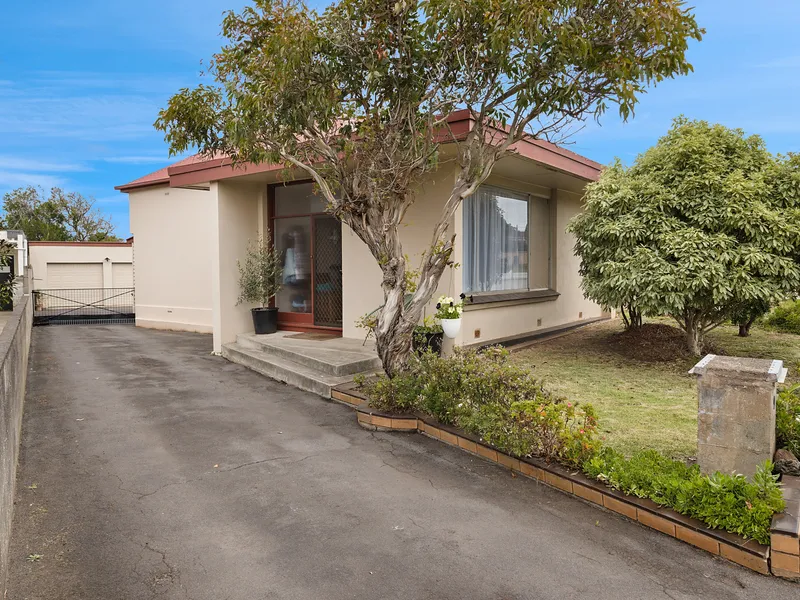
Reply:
x=428, y=341
x=265, y=320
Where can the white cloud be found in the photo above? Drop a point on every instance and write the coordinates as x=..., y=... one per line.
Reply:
x=85, y=106
x=14, y=179
x=15, y=163
x=787, y=62
x=116, y=83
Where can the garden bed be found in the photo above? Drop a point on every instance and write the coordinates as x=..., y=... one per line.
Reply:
x=748, y=553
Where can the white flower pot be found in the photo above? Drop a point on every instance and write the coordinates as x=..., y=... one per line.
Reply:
x=451, y=327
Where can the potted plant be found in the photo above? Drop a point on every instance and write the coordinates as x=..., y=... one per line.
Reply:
x=448, y=311
x=259, y=280
x=428, y=336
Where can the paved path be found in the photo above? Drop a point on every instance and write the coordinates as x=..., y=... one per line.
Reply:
x=152, y=470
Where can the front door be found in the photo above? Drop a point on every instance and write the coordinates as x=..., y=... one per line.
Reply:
x=310, y=244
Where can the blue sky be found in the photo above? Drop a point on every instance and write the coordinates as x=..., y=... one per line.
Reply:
x=81, y=82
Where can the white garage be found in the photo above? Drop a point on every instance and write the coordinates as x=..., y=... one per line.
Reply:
x=81, y=265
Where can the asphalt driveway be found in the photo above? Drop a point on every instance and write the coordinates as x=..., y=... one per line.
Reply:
x=151, y=469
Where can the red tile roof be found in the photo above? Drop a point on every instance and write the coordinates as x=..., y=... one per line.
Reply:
x=196, y=169
x=162, y=175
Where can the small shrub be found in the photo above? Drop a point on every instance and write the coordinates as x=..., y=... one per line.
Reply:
x=787, y=420
x=485, y=394
x=557, y=431
x=721, y=501
x=428, y=336
x=398, y=394
x=261, y=273
x=784, y=318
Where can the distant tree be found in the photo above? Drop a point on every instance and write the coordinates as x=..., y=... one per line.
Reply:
x=704, y=227
x=62, y=216
x=357, y=98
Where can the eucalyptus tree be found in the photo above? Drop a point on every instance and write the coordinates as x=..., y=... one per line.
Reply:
x=357, y=97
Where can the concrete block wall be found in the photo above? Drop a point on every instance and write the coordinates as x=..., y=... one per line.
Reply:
x=15, y=342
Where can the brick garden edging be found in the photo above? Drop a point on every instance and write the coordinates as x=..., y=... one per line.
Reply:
x=785, y=534
x=781, y=559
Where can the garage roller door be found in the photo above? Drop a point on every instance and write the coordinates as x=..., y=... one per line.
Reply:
x=73, y=276
x=122, y=274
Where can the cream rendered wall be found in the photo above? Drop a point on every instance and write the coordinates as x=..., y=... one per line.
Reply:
x=172, y=258
x=361, y=275
x=237, y=217
x=41, y=255
x=506, y=320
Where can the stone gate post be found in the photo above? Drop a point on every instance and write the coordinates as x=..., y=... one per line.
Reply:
x=736, y=412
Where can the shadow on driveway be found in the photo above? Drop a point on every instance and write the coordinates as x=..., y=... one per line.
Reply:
x=151, y=469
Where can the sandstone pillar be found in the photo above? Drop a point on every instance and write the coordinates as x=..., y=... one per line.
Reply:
x=736, y=412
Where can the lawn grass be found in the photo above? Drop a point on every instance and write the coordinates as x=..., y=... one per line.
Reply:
x=642, y=402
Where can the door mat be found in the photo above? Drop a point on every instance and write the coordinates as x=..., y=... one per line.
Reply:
x=313, y=335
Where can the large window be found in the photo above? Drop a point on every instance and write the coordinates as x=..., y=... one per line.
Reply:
x=506, y=241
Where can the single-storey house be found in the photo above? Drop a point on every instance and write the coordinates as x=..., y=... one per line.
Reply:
x=193, y=220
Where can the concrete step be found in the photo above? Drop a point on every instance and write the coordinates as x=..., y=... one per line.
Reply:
x=282, y=369
x=333, y=357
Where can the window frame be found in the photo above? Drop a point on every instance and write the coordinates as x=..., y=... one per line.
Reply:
x=529, y=293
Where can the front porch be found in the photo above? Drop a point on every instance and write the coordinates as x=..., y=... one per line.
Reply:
x=314, y=362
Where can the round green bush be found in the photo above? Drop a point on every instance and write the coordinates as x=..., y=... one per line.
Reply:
x=784, y=318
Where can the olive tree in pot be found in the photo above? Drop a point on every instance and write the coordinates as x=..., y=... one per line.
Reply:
x=259, y=280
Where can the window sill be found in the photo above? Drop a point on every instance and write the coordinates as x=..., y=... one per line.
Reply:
x=509, y=298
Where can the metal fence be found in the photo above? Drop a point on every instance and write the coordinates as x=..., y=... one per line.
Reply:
x=84, y=306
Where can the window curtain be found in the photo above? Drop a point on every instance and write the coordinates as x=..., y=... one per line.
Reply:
x=496, y=234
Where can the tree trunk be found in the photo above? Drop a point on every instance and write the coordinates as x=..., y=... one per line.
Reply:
x=394, y=346
x=692, y=329
x=633, y=319
x=636, y=316
x=397, y=318
x=744, y=328
x=692, y=342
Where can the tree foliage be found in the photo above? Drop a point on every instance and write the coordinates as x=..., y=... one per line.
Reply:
x=705, y=226
x=7, y=250
x=357, y=97
x=61, y=216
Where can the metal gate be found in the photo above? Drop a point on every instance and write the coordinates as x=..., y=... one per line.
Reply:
x=84, y=306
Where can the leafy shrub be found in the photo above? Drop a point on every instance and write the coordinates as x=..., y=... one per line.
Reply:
x=555, y=430
x=484, y=394
x=7, y=286
x=784, y=318
x=721, y=501
x=261, y=273
x=787, y=420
